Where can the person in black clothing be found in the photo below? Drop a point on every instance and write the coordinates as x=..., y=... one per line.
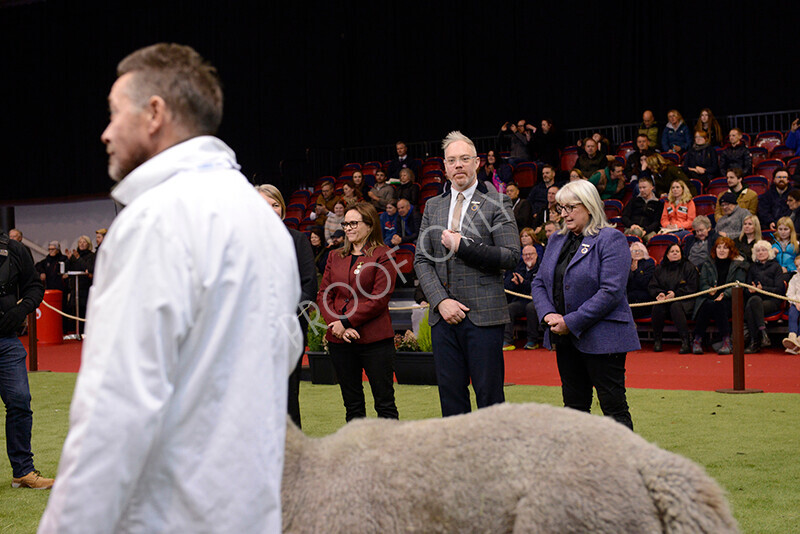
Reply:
x=408, y=188
x=408, y=221
x=772, y=204
x=81, y=260
x=674, y=277
x=49, y=268
x=642, y=214
x=635, y=163
x=519, y=281
x=308, y=289
x=537, y=198
x=402, y=161
x=700, y=161
x=764, y=273
x=21, y=292
x=522, y=208
x=642, y=267
x=547, y=142
x=736, y=155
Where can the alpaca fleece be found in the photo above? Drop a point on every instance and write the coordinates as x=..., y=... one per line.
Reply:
x=508, y=468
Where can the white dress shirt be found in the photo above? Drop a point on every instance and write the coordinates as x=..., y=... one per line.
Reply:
x=178, y=418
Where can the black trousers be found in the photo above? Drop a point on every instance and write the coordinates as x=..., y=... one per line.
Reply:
x=581, y=372
x=518, y=308
x=377, y=359
x=755, y=309
x=678, y=312
x=466, y=352
x=719, y=311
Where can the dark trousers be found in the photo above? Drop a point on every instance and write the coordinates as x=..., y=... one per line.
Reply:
x=755, y=309
x=518, y=308
x=377, y=359
x=605, y=372
x=719, y=311
x=678, y=312
x=462, y=352
x=16, y=396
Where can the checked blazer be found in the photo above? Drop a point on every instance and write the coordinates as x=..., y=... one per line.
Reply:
x=474, y=275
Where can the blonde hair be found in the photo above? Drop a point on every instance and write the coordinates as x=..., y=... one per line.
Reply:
x=656, y=163
x=91, y=248
x=763, y=244
x=272, y=192
x=756, y=227
x=585, y=193
x=787, y=222
x=686, y=196
x=454, y=136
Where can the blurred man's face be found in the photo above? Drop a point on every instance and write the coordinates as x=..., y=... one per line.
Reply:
x=529, y=256
x=15, y=235
x=647, y=118
x=734, y=137
x=551, y=195
x=591, y=147
x=402, y=149
x=403, y=207
x=548, y=174
x=781, y=179
x=642, y=143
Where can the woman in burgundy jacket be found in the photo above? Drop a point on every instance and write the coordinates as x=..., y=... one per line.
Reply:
x=354, y=301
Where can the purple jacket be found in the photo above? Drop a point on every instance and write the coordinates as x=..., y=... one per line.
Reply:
x=597, y=310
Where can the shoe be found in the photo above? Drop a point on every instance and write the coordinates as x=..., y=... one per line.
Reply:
x=685, y=347
x=33, y=480
x=793, y=351
x=509, y=346
x=766, y=342
x=726, y=347
x=657, y=345
x=752, y=348
x=791, y=343
x=530, y=345
x=697, y=345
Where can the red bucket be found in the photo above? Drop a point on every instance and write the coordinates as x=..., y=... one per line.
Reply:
x=48, y=323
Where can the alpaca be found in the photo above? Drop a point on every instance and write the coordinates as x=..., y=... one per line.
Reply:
x=507, y=468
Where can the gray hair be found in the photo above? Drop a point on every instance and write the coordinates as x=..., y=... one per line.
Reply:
x=584, y=192
x=454, y=136
x=761, y=243
x=701, y=220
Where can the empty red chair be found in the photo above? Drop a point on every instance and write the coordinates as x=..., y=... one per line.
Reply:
x=759, y=154
x=705, y=204
x=769, y=139
x=672, y=156
x=759, y=184
x=782, y=152
x=717, y=186
x=525, y=174
x=792, y=164
x=612, y=207
x=625, y=150
x=569, y=157
x=767, y=168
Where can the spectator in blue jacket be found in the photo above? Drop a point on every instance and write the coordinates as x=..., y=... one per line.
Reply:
x=676, y=135
x=519, y=281
x=389, y=222
x=793, y=138
x=408, y=222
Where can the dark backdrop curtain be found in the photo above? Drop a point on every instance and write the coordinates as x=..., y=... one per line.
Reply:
x=337, y=74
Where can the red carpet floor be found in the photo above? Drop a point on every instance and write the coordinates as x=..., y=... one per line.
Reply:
x=771, y=370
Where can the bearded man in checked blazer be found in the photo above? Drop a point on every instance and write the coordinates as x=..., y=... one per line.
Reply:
x=467, y=238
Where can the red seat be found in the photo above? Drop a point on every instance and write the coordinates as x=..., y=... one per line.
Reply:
x=625, y=149
x=792, y=164
x=758, y=154
x=569, y=157
x=769, y=139
x=717, y=186
x=298, y=213
x=318, y=184
x=431, y=166
x=759, y=184
x=767, y=168
x=705, y=204
x=352, y=166
x=612, y=207
x=782, y=152
x=659, y=244
x=672, y=156
x=404, y=260
x=525, y=174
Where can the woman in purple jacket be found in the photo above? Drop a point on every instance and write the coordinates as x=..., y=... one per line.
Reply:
x=579, y=294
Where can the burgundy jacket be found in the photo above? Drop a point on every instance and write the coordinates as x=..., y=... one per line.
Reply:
x=362, y=298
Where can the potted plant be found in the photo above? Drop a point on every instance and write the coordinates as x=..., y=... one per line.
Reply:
x=319, y=360
x=414, y=360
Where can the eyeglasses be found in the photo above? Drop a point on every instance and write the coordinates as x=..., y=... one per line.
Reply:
x=462, y=159
x=353, y=225
x=566, y=209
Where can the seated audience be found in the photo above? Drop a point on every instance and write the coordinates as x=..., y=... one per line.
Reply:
x=549, y=211
x=408, y=221
x=700, y=161
x=519, y=281
x=358, y=183
x=388, y=220
x=679, y=211
x=408, y=188
x=538, y=197
x=793, y=203
x=751, y=232
x=709, y=125
x=592, y=160
x=730, y=224
x=791, y=342
x=325, y=203
x=650, y=128
x=496, y=171
x=746, y=198
x=575, y=175
x=785, y=244
x=610, y=181
x=793, y=138
x=334, y=220
x=527, y=236
x=402, y=161
x=547, y=143
x=736, y=155
x=521, y=207
x=550, y=227
x=642, y=214
x=772, y=204
x=381, y=193
x=676, y=136
x=350, y=194
x=635, y=163
x=664, y=172
x=674, y=277
x=765, y=274
x=642, y=267
x=697, y=246
x=721, y=269
x=517, y=137
x=50, y=268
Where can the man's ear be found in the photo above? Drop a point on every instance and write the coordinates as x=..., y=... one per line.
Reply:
x=157, y=111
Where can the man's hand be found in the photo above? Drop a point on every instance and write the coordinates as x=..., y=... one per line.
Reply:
x=556, y=323
x=12, y=319
x=517, y=279
x=504, y=127
x=396, y=239
x=700, y=170
x=451, y=240
x=452, y=311
x=795, y=124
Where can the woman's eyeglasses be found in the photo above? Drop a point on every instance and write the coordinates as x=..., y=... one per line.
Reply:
x=566, y=208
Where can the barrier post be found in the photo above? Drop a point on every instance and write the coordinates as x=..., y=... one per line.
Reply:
x=737, y=326
x=33, y=349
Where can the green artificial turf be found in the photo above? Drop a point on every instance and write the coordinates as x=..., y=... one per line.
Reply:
x=748, y=443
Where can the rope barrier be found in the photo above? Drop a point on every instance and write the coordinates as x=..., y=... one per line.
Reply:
x=68, y=316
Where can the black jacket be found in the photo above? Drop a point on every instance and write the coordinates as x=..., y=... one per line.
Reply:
x=19, y=281
x=645, y=213
x=639, y=280
x=769, y=275
x=772, y=206
x=678, y=276
x=705, y=157
x=736, y=157
x=50, y=267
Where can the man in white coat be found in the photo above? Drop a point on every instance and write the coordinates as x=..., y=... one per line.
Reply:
x=178, y=418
